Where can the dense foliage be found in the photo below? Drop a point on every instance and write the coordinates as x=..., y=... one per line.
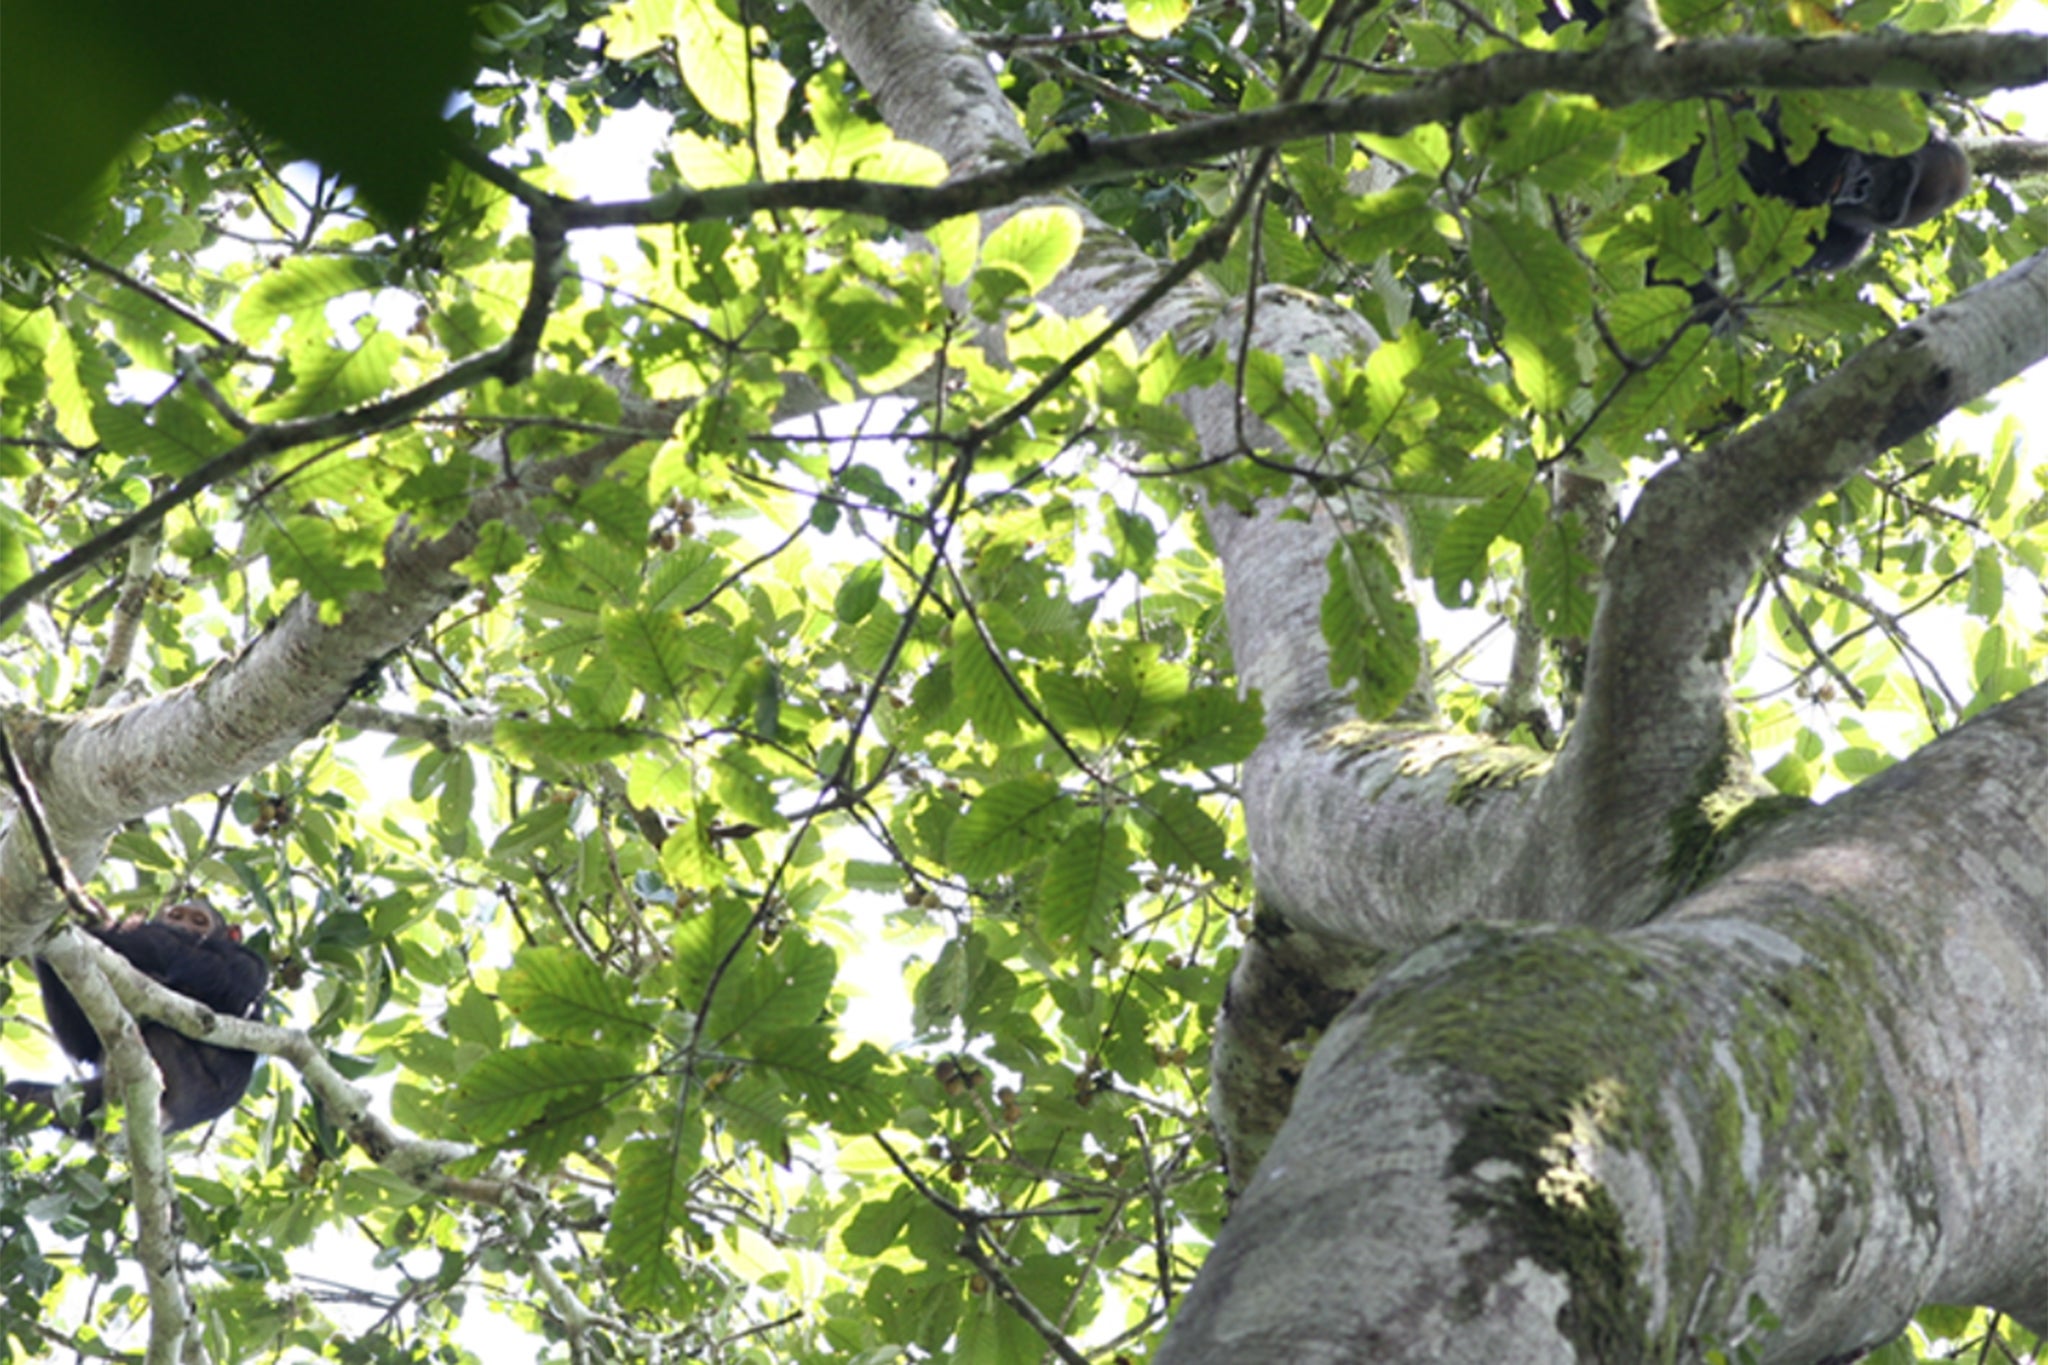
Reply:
x=808, y=855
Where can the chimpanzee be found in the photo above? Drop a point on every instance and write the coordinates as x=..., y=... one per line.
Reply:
x=1867, y=194
x=194, y=952
x=1863, y=193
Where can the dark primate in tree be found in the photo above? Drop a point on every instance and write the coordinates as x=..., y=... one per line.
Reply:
x=1864, y=193
x=193, y=951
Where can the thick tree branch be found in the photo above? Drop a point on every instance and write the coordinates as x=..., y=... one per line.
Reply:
x=113, y=995
x=130, y=1074
x=2013, y=158
x=1347, y=822
x=348, y=1106
x=1286, y=988
x=1968, y=63
x=101, y=768
x=1652, y=741
x=1812, y=1088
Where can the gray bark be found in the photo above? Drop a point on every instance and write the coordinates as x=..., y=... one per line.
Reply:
x=1814, y=1086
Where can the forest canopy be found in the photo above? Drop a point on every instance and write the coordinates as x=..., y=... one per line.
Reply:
x=835, y=753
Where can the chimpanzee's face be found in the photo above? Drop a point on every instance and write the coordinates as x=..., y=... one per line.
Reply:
x=192, y=917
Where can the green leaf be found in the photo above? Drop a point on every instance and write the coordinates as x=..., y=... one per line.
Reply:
x=652, y=648
x=566, y=742
x=1211, y=726
x=1987, y=584
x=984, y=690
x=1791, y=775
x=753, y=1107
x=1644, y=319
x=1542, y=291
x=298, y=68
x=1510, y=505
x=1155, y=18
x=1987, y=663
x=1136, y=698
x=472, y=1017
x=69, y=393
x=1568, y=141
x=653, y=1200
x=562, y=995
x=1675, y=384
x=542, y=825
x=332, y=378
x=1284, y=405
x=1426, y=149
x=1037, y=243
x=1950, y=1321
x=1136, y=540
x=1656, y=135
x=771, y=991
x=858, y=592
x=1087, y=881
x=714, y=54
x=14, y=556
x=1546, y=370
x=1179, y=833
x=1559, y=600
x=506, y=1091
x=1399, y=219
x=855, y=1093
x=322, y=556
x=1856, y=763
x=744, y=793
x=941, y=996
x=1007, y=826
x=300, y=287
x=1887, y=122
x=877, y=1225
x=1539, y=285
x=638, y=26
x=679, y=580
x=1085, y=709
x=1370, y=626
